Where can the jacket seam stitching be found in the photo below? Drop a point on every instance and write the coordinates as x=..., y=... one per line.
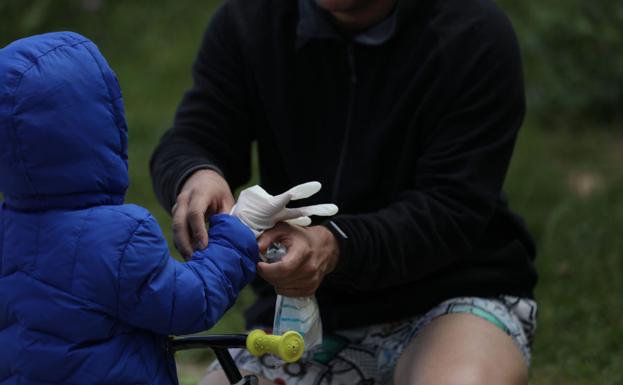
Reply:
x=33, y=64
x=22, y=198
x=53, y=286
x=173, y=301
x=78, y=239
x=2, y=233
x=125, y=248
x=111, y=99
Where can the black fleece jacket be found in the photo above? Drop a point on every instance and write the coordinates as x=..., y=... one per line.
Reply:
x=411, y=139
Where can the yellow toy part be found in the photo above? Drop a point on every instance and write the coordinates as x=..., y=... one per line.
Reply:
x=289, y=346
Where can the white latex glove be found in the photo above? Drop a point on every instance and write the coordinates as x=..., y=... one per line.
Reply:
x=261, y=211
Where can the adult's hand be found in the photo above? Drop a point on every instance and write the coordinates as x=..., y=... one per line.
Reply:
x=203, y=194
x=312, y=254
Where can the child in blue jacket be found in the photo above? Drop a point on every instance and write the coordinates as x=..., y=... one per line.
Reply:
x=88, y=291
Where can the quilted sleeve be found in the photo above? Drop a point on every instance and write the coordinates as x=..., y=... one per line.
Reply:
x=1, y=234
x=165, y=296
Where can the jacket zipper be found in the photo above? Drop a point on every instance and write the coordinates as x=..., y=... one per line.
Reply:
x=349, y=122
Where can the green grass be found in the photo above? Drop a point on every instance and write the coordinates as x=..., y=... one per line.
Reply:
x=568, y=184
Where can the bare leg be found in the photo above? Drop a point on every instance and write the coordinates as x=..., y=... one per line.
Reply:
x=461, y=349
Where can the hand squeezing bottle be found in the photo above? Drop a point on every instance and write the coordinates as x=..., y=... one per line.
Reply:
x=300, y=314
x=261, y=211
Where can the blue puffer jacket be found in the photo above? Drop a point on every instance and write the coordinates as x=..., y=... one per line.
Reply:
x=88, y=291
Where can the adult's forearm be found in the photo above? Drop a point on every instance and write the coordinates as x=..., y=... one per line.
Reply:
x=404, y=242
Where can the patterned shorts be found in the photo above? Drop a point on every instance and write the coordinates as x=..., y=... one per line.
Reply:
x=369, y=355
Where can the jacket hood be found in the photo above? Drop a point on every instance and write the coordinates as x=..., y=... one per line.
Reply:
x=63, y=134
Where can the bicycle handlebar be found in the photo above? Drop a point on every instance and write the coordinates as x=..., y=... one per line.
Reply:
x=289, y=346
x=212, y=341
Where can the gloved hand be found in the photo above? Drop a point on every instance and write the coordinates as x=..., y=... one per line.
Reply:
x=261, y=211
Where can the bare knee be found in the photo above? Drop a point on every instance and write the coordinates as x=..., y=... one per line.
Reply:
x=461, y=349
x=460, y=374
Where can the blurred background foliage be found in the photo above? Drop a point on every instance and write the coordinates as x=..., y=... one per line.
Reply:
x=572, y=48
x=572, y=53
x=566, y=178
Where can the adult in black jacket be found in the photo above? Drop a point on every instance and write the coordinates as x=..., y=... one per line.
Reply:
x=407, y=111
